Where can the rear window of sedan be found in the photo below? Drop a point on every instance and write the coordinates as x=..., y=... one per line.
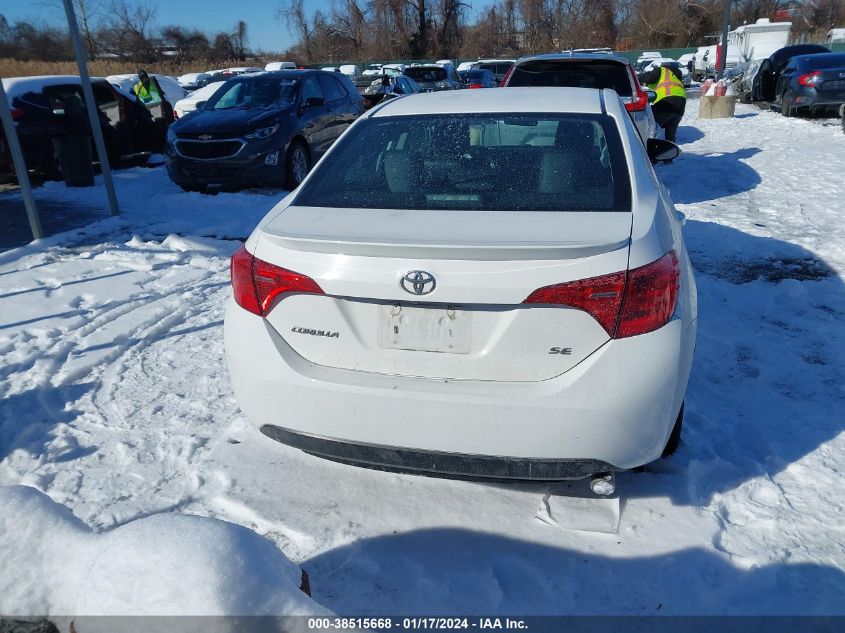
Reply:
x=496, y=162
x=426, y=74
x=573, y=74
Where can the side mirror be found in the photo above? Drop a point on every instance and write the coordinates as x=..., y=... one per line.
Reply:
x=314, y=102
x=660, y=150
x=652, y=95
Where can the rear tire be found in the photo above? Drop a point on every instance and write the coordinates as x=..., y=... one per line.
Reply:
x=785, y=106
x=674, y=440
x=297, y=164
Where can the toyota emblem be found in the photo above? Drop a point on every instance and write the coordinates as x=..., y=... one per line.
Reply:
x=418, y=282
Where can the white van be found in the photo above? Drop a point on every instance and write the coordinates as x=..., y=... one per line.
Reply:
x=280, y=66
x=835, y=36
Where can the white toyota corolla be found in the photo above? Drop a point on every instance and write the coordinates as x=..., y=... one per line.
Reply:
x=487, y=283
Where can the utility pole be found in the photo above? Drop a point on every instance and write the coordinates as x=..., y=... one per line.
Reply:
x=91, y=106
x=20, y=165
x=726, y=20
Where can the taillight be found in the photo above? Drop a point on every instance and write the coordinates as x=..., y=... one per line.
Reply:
x=639, y=100
x=650, y=296
x=600, y=297
x=17, y=113
x=256, y=283
x=641, y=301
x=476, y=85
x=175, y=114
x=809, y=79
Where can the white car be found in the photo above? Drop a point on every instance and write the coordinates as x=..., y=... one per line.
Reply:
x=483, y=283
x=200, y=95
x=192, y=81
x=280, y=66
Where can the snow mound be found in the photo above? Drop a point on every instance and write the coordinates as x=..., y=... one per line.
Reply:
x=166, y=564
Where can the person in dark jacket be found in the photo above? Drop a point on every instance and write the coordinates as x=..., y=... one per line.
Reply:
x=671, y=101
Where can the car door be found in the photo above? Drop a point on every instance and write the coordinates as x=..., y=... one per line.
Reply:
x=784, y=79
x=315, y=118
x=334, y=105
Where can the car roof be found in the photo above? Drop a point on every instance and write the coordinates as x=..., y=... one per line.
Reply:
x=18, y=86
x=813, y=57
x=531, y=100
x=574, y=55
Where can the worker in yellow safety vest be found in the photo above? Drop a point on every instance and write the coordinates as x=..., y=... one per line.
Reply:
x=147, y=91
x=671, y=101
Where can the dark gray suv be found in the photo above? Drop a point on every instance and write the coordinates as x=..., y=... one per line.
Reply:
x=588, y=70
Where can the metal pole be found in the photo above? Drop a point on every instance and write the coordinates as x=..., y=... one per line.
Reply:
x=20, y=166
x=91, y=106
x=726, y=20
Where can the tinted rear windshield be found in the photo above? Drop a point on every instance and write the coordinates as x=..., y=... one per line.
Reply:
x=514, y=162
x=824, y=61
x=426, y=74
x=497, y=68
x=573, y=74
x=254, y=92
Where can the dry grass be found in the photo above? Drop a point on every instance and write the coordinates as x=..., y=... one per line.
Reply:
x=105, y=67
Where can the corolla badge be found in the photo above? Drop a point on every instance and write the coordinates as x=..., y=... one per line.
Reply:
x=418, y=282
x=205, y=137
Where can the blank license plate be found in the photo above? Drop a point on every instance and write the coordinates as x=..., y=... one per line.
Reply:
x=440, y=329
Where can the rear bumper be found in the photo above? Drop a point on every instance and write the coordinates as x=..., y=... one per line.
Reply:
x=613, y=411
x=438, y=462
x=811, y=98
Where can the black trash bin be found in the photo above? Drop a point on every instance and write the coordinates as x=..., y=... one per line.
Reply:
x=74, y=156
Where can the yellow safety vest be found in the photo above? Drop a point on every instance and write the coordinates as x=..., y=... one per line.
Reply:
x=147, y=96
x=668, y=86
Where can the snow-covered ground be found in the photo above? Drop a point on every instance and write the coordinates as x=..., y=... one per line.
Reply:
x=116, y=403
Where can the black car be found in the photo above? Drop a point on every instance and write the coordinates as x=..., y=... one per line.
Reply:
x=261, y=129
x=479, y=78
x=809, y=83
x=46, y=109
x=435, y=77
x=764, y=84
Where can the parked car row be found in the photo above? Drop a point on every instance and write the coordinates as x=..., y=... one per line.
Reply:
x=270, y=128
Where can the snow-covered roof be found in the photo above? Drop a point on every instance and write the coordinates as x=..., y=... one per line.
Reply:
x=17, y=86
x=510, y=100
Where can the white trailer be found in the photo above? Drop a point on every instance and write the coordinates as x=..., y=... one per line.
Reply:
x=761, y=39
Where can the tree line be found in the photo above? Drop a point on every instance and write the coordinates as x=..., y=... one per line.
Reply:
x=449, y=29
x=358, y=30
x=121, y=29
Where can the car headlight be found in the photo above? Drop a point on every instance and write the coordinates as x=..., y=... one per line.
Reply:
x=262, y=133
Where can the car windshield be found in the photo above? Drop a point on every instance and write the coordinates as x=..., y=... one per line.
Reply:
x=427, y=73
x=254, y=92
x=573, y=74
x=513, y=162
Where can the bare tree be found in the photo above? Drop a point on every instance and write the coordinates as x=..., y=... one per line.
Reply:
x=292, y=13
x=128, y=30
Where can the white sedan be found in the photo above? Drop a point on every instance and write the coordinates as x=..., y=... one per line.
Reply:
x=482, y=283
x=200, y=95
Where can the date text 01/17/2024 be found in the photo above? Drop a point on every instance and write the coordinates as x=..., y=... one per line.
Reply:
x=411, y=624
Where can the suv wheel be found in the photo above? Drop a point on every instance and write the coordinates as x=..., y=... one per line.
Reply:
x=297, y=164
